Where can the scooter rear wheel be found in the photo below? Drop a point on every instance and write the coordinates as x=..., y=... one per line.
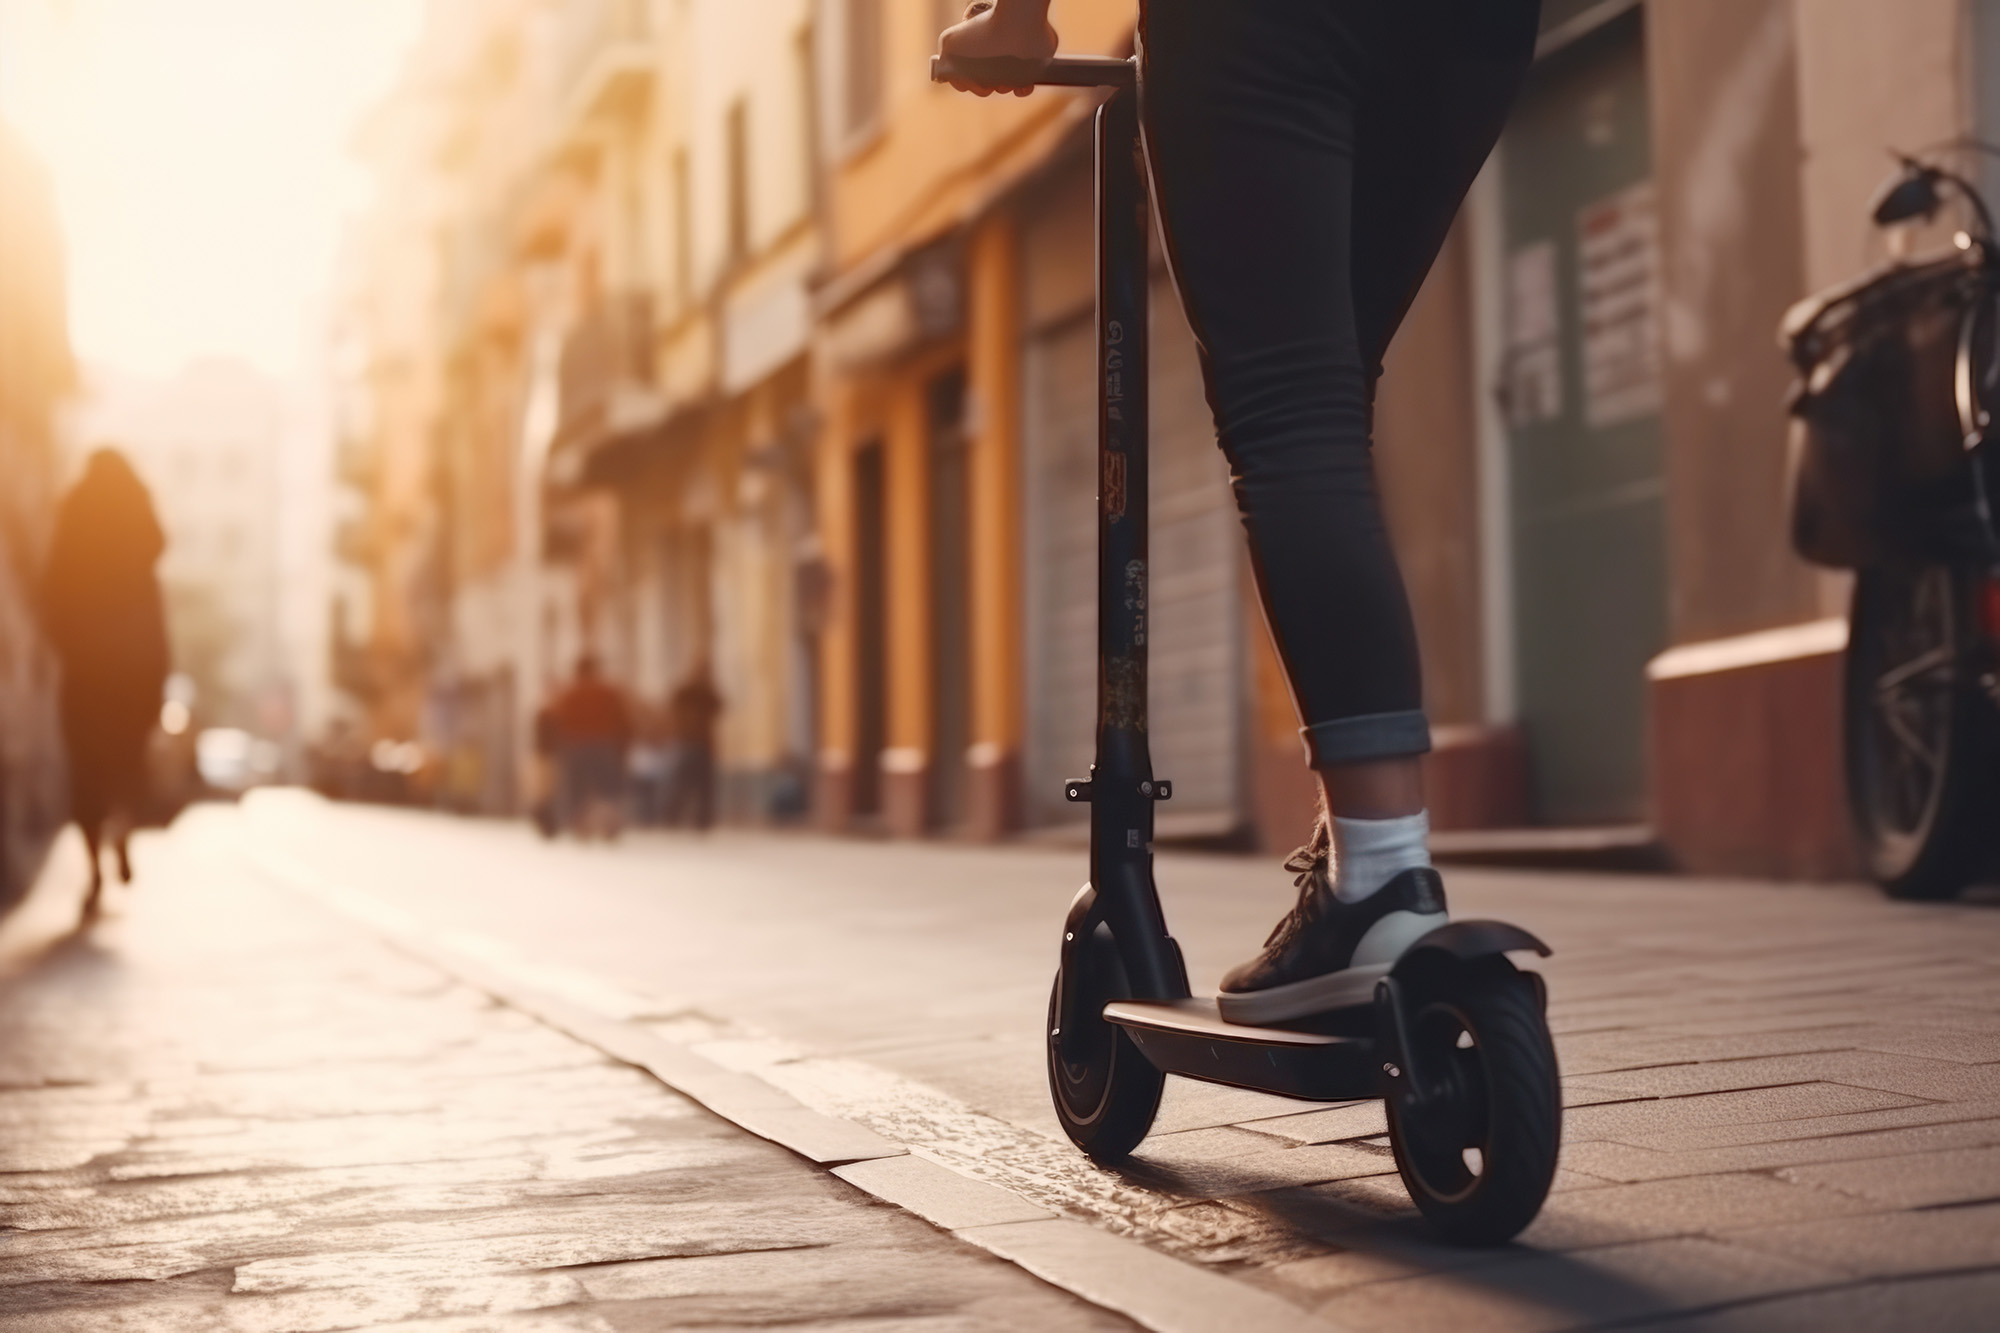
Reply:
x=1105, y=1091
x=1478, y=1153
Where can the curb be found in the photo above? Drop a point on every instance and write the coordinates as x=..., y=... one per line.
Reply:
x=1117, y=1273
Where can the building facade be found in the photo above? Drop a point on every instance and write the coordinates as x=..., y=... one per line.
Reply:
x=721, y=336
x=37, y=374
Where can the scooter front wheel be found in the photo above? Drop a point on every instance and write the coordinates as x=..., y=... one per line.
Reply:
x=1105, y=1091
x=1477, y=1147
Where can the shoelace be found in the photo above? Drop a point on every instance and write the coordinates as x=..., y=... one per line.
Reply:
x=1306, y=864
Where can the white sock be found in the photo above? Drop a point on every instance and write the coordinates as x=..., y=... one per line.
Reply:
x=1368, y=853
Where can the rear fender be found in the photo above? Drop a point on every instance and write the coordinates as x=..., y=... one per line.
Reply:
x=1467, y=941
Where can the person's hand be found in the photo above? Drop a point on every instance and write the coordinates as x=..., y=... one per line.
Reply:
x=1003, y=29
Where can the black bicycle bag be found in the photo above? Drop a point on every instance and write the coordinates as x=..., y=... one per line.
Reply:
x=1876, y=444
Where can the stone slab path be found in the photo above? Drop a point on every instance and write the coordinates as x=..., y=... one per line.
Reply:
x=1783, y=1101
x=223, y=1107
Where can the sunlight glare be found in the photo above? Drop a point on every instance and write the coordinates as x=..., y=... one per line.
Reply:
x=201, y=156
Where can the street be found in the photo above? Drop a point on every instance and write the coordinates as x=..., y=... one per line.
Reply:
x=319, y=1068
x=226, y=1108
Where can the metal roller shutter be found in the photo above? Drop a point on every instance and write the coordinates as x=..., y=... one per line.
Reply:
x=1196, y=623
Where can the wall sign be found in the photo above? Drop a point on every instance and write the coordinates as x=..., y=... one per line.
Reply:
x=1618, y=249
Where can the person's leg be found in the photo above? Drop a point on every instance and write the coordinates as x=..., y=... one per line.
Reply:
x=89, y=828
x=1309, y=158
x=129, y=800
x=618, y=792
x=703, y=758
x=89, y=813
x=1264, y=130
x=570, y=793
x=88, y=800
x=1251, y=117
x=1444, y=76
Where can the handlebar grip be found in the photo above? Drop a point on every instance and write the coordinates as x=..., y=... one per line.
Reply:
x=990, y=72
x=1014, y=72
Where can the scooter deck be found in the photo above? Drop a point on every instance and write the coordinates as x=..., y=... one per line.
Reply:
x=1192, y=1039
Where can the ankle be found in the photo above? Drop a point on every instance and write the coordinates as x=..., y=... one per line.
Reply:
x=1368, y=853
x=1373, y=788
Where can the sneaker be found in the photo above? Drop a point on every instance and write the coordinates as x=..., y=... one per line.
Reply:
x=1328, y=954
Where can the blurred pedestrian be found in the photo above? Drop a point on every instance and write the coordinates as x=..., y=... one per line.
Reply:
x=102, y=609
x=594, y=730
x=546, y=807
x=692, y=711
x=652, y=766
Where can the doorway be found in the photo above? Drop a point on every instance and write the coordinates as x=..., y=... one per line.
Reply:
x=870, y=630
x=951, y=590
x=1581, y=391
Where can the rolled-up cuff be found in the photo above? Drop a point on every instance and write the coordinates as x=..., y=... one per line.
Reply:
x=1351, y=740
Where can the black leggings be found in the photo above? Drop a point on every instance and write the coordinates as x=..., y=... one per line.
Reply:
x=1308, y=157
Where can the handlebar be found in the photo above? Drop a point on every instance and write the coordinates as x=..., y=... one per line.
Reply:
x=1014, y=72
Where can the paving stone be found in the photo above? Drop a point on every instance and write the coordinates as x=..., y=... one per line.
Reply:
x=1204, y=1163
x=1123, y=1275
x=1191, y=1105
x=1889, y=1244
x=541, y=1321
x=1619, y=1161
x=434, y=1262
x=322, y=1136
x=816, y=1137
x=1579, y=1092
x=1816, y=1127
x=1710, y=1029
x=1964, y=1044
x=1683, y=1206
x=1960, y=1303
x=323, y=1311
x=1549, y=1291
x=1324, y=1274
x=1611, y=1049
x=1917, y=1180
x=1310, y=1164
x=1789, y=1104
x=1355, y=1120
x=938, y=1194
x=855, y=1281
x=1910, y=1076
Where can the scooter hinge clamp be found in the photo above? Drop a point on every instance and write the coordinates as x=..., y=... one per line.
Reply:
x=1076, y=789
x=1161, y=790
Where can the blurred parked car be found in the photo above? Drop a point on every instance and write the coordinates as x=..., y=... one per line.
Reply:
x=231, y=760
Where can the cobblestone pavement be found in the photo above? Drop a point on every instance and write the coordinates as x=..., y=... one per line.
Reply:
x=1784, y=1101
x=222, y=1107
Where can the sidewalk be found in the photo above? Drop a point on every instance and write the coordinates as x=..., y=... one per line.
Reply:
x=225, y=1108
x=1784, y=1100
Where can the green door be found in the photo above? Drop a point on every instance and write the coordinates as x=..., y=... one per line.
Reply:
x=1581, y=389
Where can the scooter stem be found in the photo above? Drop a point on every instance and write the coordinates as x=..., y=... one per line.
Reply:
x=1122, y=787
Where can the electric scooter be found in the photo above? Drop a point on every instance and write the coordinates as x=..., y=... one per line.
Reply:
x=1455, y=1038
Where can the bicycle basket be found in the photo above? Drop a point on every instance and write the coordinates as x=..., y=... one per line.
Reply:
x=1875, y=433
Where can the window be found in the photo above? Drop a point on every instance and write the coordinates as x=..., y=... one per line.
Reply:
x=864, y=63
x=683, y=231
x=808, y=94
x=736, y=130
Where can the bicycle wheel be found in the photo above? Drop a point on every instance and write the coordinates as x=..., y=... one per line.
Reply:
x=1919, y=733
